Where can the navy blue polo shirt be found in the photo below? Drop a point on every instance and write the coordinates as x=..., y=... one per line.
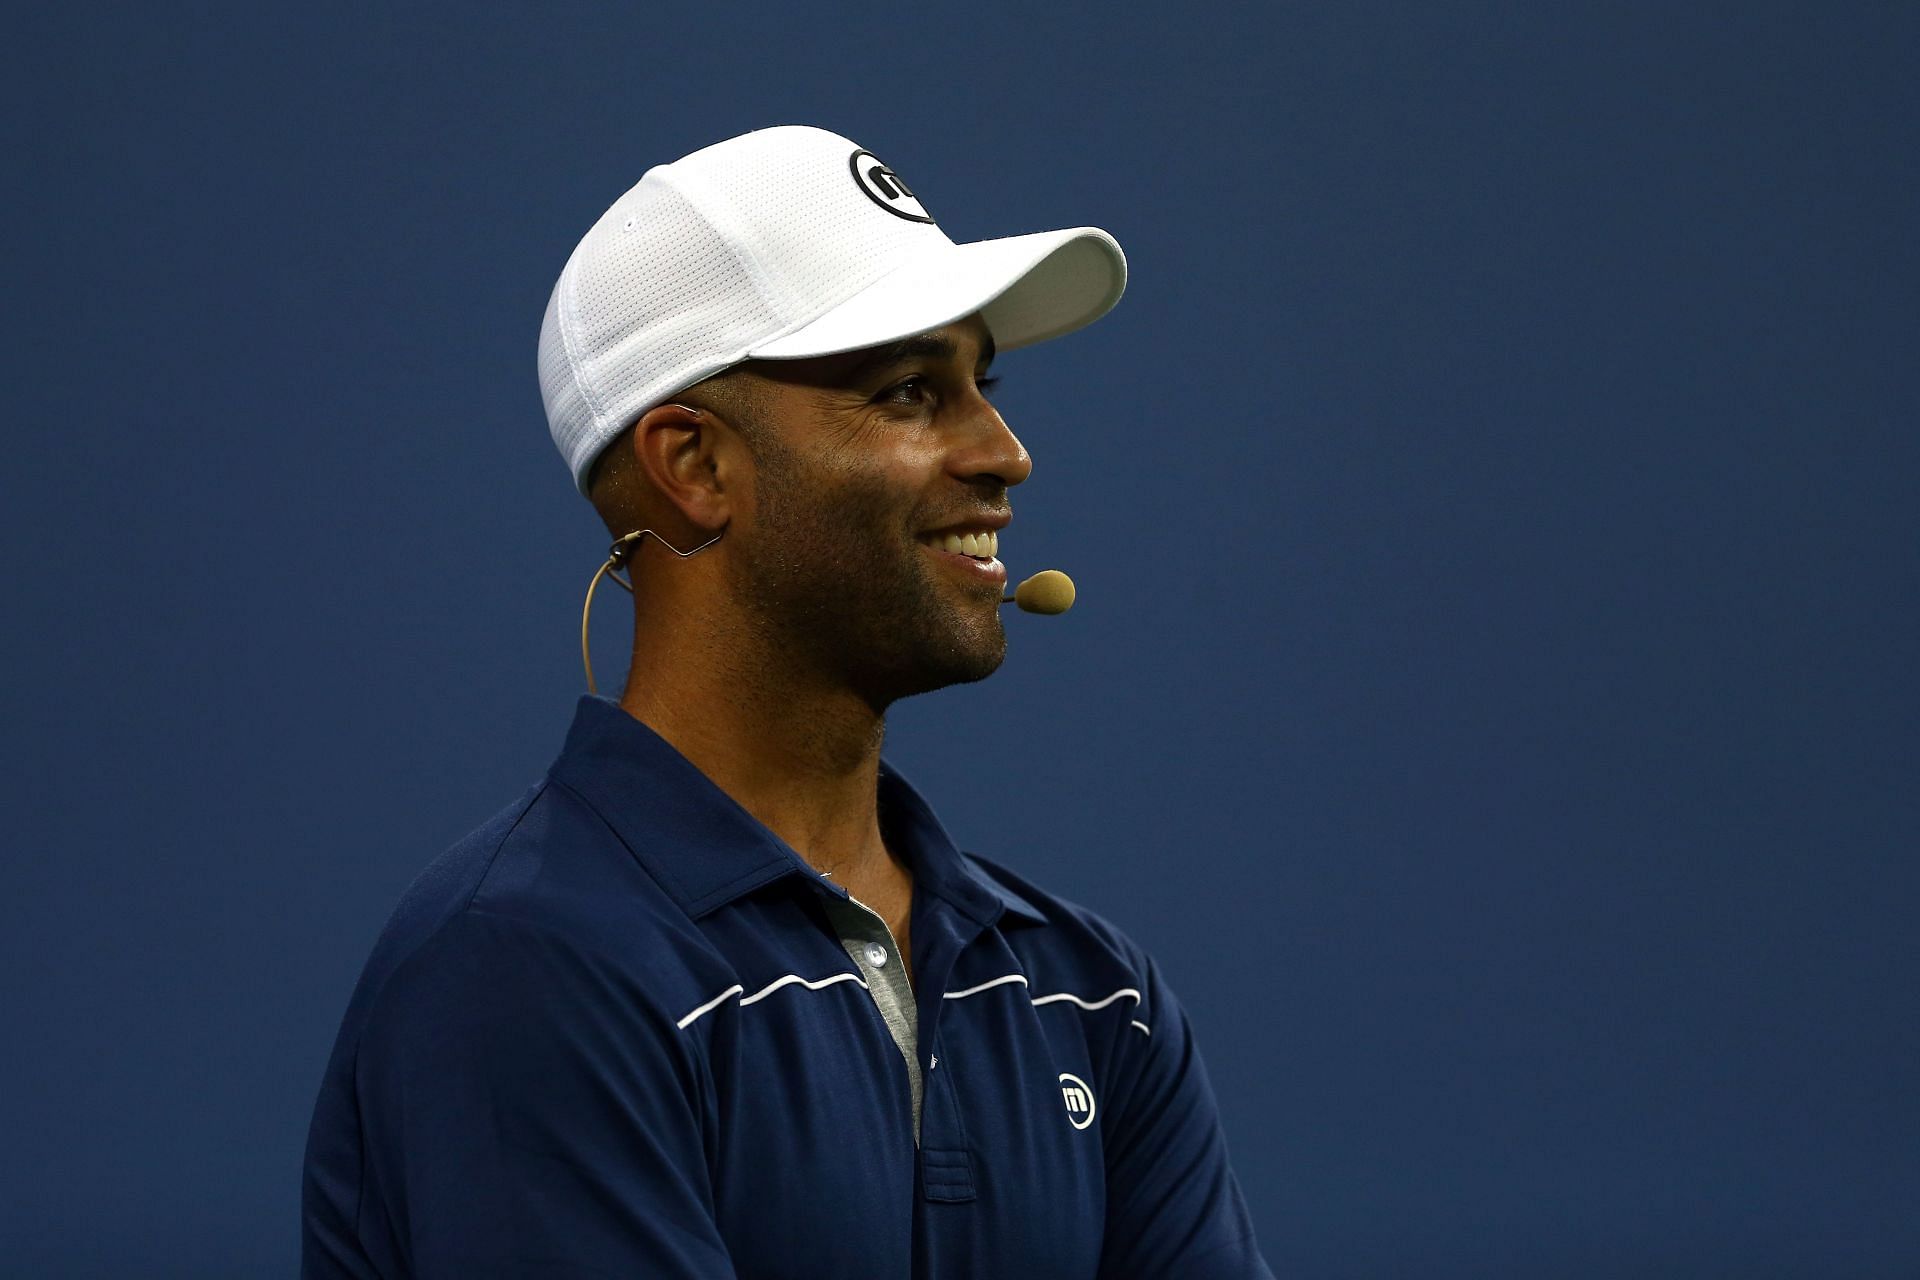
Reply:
x=614, y=1033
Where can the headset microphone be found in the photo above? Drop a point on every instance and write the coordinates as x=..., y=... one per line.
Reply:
x=617, y=555
x=1048, y=591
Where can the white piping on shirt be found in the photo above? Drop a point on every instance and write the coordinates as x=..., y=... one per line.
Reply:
x=815, y=985
x=764, y=992
x=1097, y=1004
x=777, y=983
x=1021, y=978
x=688, y=1021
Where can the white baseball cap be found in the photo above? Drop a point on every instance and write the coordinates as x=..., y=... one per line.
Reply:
x=778, y=245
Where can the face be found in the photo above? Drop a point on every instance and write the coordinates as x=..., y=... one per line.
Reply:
x=879, y=489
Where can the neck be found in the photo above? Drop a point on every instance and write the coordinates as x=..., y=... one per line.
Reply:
x=801, y=756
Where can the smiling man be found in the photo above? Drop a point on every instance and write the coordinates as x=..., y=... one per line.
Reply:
x=718, y=997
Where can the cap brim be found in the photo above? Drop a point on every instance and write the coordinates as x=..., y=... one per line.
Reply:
x=1027, y=289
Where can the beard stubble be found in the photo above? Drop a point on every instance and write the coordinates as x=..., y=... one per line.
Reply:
x=837, y=583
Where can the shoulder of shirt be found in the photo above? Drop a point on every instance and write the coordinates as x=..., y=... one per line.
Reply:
x=547, y=867
x=1072, y=931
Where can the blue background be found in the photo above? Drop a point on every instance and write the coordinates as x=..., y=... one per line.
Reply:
x=1492, y=694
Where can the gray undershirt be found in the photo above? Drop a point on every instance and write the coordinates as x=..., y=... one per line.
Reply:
x=871, y=945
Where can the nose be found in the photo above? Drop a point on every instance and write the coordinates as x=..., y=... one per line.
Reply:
x=991, y=450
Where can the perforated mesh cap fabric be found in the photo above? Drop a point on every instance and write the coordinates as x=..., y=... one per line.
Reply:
x=781, y=244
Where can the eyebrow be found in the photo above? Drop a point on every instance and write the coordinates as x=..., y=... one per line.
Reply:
x=919, y=347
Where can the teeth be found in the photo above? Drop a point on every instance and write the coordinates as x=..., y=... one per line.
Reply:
x=981, y=546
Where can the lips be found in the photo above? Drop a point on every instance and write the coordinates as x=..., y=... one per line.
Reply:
x=971, y=551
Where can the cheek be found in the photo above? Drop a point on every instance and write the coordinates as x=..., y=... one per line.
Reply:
x=874, y=514
x=885, y=499
x=865, y=501
x=832, y=525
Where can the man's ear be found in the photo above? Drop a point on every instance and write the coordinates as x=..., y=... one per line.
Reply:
x=687, y=457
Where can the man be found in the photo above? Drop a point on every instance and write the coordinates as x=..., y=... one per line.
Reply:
x=718, y=997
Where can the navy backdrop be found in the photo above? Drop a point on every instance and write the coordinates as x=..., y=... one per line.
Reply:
x=1492, y=694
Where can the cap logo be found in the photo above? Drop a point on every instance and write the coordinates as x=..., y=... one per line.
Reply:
x=884, y=187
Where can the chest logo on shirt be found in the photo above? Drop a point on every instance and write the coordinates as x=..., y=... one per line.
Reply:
x=1079, y=1099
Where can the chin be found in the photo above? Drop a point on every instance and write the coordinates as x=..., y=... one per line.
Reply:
x=957, y=658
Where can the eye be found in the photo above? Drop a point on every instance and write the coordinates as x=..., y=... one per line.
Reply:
x=986, y=385
x=909, y=391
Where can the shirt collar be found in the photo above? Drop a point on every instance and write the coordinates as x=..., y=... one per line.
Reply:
x=706, y=851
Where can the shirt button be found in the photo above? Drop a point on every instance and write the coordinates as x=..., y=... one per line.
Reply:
x=876, y=954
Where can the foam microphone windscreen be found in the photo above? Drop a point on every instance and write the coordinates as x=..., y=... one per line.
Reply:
x=1049, y=591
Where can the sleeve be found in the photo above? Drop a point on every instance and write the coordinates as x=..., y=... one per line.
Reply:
x=1174, y=1208
x=526, y=1115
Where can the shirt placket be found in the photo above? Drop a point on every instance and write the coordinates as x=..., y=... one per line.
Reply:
x=871, y=945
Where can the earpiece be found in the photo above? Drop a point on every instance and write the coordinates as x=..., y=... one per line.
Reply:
x=617, y=555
